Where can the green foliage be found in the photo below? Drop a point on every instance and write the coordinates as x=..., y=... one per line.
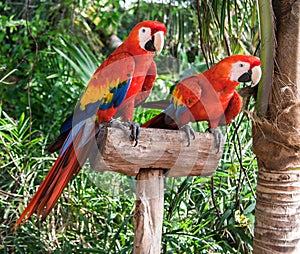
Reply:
x=48, y=53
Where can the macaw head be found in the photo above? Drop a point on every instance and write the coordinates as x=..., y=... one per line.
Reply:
x=236, y=69
x=148, y=36
x=245, y=69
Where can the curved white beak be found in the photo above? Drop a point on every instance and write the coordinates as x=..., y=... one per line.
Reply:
x=159, y=41
x=256, y=75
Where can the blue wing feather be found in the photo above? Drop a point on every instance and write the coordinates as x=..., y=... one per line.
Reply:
x=91, y=109
x=174, y=111
x=118, y=97
x=87, y=127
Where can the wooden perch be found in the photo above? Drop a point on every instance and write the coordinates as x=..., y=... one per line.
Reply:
x=149, y=211
x=157, y=148
x=158, y=153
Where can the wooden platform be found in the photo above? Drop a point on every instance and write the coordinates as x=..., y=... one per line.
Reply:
x=161, y=149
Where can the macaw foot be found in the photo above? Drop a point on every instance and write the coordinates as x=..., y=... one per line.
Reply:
x=131, y=128
x=218, y=137
x=189, y=133
x=134, y=132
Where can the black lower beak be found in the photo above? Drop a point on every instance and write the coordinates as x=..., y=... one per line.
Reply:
x=246, y=77
x=150, y=45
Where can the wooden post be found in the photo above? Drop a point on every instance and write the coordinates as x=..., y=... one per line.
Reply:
x=159, y=153
x=148, y=215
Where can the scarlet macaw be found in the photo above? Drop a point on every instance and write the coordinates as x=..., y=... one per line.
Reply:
x=116, y=83
x=209, y=96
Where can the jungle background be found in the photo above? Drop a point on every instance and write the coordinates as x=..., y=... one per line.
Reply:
x=48, y=52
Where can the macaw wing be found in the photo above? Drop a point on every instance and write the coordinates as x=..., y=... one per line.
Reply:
x=142, y=95
x=106, y=89
x=185, y=95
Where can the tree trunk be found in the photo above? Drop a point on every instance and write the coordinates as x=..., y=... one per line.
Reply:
x=276, y=142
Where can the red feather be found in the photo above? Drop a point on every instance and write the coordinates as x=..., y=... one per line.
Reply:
x=118, y=80
x=67, y=166
x=209, y=96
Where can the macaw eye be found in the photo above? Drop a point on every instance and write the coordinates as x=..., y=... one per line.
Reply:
x=143, y=30
x=241, y=65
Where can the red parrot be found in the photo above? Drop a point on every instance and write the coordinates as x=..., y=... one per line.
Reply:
x=143, y=95
x=209, y=96
x=115, y=84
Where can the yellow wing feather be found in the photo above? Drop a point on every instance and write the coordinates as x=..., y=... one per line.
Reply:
x=187, y=92
x=115, y=70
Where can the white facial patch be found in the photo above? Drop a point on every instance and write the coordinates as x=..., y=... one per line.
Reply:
x=144, y=36
x=238, y=69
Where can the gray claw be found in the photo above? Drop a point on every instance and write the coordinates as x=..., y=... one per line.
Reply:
x=218, y=137
x=135, y=132
x=189, y=132
x=132, y=129
x=120, y=125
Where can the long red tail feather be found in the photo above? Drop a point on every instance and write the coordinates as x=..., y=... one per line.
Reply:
x=161, y=121
x=67, y=165
x=155, y=122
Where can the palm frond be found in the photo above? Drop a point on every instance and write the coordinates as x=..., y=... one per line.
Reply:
x=80, y=57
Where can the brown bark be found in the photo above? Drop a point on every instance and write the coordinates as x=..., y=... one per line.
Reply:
x=276, y=142
x=148, y=214
x=157, y=148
